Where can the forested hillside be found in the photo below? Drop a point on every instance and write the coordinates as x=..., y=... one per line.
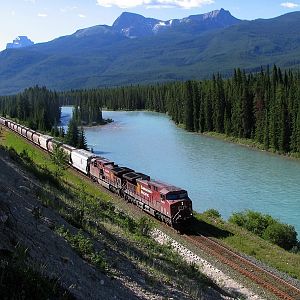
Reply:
x=101, y=56
x=264, y=107
x=37, y=107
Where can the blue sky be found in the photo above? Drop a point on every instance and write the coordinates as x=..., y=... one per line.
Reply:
x=44, y=20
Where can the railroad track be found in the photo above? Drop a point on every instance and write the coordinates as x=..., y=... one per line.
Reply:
x=274, y=284
x=270, y=282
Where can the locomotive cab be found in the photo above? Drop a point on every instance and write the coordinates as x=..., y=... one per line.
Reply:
x=180, y=205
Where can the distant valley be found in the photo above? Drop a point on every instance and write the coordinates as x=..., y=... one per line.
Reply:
x=143, y=50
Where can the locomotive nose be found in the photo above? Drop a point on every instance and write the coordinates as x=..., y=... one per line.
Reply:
x=182, y=210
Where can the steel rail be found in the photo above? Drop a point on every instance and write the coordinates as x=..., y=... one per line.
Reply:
x=274, y=284
x=208, y=244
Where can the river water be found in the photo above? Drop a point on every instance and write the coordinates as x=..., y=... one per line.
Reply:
x=217, y=174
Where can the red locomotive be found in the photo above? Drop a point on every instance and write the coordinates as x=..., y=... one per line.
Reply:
x=164, y=201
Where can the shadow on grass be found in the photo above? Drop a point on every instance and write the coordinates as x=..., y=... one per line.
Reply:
x=197, y=226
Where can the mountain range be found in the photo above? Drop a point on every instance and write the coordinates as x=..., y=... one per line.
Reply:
x=143, y=50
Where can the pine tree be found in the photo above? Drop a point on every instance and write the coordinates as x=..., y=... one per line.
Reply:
x=60, y=159
x=71, y=137
x=82, y=143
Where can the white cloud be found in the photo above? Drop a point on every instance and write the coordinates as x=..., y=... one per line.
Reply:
x=81, y=16
x=32, y=1
x=155, y=3
x=42, y=15
x=13, y=13
x=289, y=4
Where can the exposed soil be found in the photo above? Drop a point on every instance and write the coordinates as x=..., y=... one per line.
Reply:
x=53, y=257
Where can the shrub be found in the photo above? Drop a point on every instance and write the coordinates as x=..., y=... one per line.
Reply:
x=98, y=260
x=282, y=235
x=59, y=159
x=238, y=219
x=252, y=221
x=144, y=226
x=84, y=247
x=82, y=244
x=212, y=213
x=266, y=227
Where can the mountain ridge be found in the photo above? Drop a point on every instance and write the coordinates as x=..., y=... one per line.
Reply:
x=134, y=25
x=103, y=55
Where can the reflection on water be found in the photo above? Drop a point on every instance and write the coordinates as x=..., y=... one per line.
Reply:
x=217, y=174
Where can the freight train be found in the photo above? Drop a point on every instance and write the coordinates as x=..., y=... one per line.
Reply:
x=166, y=202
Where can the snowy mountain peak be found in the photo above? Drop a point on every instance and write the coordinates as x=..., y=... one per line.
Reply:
x=215, y=13
x=20, y=42
x=134, y=25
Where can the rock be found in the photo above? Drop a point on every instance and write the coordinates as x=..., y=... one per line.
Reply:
x=3, y=218
x=3, y=189
x=48, y=222
x=24, y=188
x=42, y=228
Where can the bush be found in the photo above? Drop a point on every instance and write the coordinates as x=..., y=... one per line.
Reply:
x=144, y=226
x=282, y=235
x=252, y=221
x=238, y=219
x=212, y=213
x=98, y=260
x=266, y=227
x=84, y=247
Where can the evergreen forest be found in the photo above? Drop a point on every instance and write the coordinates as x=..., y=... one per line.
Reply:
x=263, y=107
x=87, y=104
x=37, y=107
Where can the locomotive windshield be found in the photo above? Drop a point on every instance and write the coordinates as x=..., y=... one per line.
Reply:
x=177, y=196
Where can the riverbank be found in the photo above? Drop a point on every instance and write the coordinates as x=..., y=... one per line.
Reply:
x=103, y=123
x=248, y=143
x=235, y=237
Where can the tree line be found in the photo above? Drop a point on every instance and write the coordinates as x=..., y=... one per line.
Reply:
x=40, y=109
x=87, y=103
x=37, y=107
x=263, y=107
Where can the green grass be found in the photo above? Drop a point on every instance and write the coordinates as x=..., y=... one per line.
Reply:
x=95, y=218
x=19, y=144
x=42, y=159
x=238, y=238
x=250, y=244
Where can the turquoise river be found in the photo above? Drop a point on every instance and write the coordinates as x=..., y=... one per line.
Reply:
x=217, y=174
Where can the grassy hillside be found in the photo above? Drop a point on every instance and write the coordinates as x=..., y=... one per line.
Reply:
x=237, y=238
